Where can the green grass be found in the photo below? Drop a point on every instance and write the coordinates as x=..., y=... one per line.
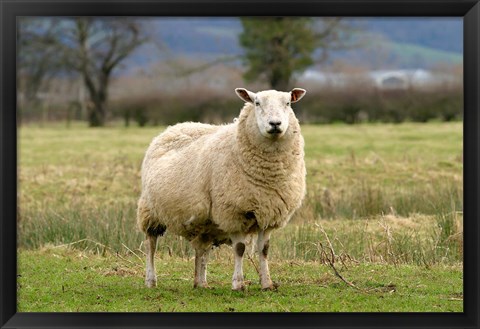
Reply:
x=386, y=200
x=373, y=169
x=83, y=184
x=90, y=283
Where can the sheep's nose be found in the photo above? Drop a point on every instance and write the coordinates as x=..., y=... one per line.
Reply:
x=275, y=127
x=275, y=124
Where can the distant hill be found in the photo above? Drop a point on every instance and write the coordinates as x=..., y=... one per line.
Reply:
x=395, y=42
x=439, y=33
x=416, y=42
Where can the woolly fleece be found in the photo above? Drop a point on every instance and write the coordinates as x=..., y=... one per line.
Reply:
x=206, y=182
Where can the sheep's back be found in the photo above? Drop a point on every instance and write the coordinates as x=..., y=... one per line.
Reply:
x=177, y=137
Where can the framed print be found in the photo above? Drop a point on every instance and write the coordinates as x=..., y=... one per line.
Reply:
x=319, y=158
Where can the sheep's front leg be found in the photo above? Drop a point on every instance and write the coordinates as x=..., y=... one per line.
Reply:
x=238, y=244
x=201, y=259
x=263, y=243
x=150, y=248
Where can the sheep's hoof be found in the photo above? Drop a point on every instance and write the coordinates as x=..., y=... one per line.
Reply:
x=272, y=286
x=238, y=287
x=241, y=288
x=202, y=286
x=151, y=283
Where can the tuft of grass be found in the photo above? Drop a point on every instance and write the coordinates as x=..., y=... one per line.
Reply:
x=420, y=240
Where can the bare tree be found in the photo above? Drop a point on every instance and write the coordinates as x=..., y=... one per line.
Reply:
x=94, y=47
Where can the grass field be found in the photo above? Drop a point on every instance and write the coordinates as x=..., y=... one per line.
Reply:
x=90, y=283
x=383, y=211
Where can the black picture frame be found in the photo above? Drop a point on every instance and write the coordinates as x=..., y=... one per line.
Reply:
x=10, y=10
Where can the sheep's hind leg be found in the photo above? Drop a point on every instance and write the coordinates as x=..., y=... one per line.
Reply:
x=150, y=248
x=201, y=259
x=238, y=244
x=263, y=244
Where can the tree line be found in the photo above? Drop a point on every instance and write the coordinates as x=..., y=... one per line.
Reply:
x=92, y=49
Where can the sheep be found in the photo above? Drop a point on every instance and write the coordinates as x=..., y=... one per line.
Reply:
x=217, y=184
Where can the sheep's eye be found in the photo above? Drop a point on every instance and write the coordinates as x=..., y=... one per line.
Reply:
x=257, y=103
x=288, y=103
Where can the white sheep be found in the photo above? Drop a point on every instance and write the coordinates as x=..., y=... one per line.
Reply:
x=217, y=184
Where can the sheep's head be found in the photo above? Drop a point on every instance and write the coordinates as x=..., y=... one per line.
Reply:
x=272, y=109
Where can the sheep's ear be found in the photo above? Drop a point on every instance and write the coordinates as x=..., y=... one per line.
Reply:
x=245, y=94
x=297, y=94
